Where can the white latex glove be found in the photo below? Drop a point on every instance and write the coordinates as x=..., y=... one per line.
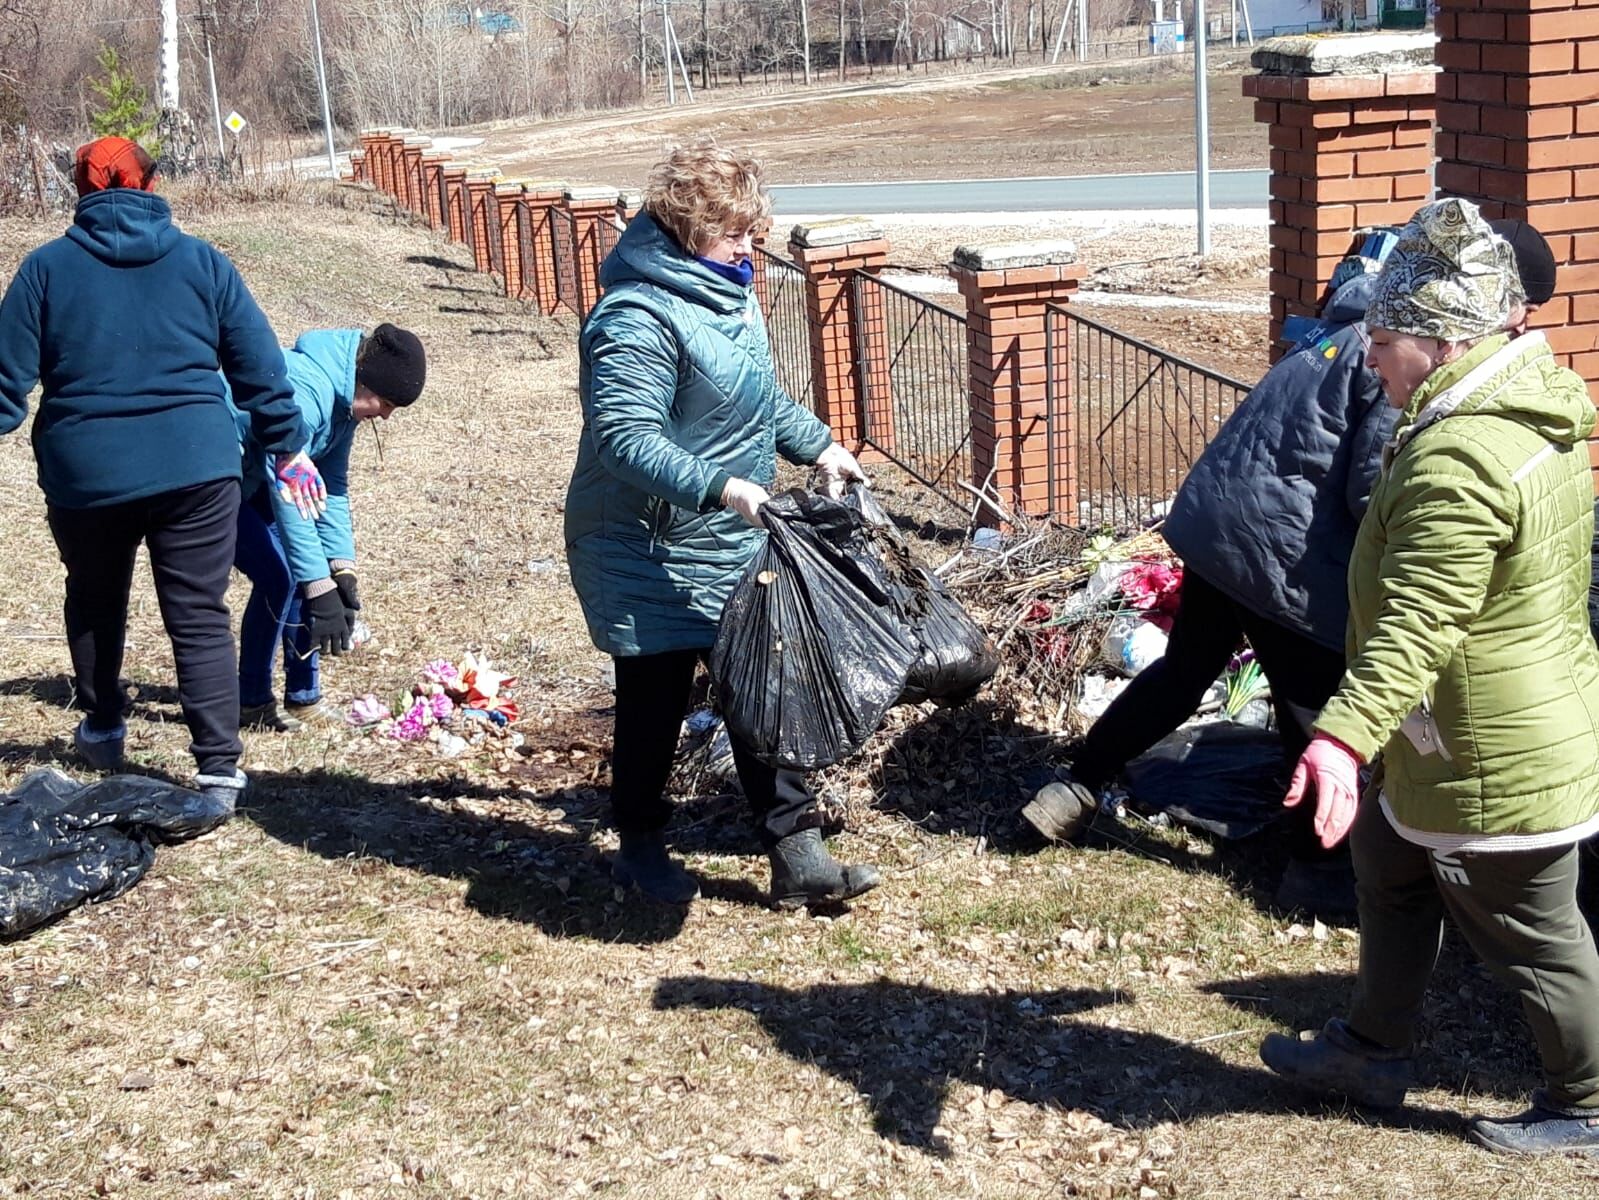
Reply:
x=745, y=498
x=1334, y=769
x=838, y=469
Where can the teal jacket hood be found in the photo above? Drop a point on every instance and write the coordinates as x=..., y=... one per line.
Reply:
x=124, y=227
x=646, y=253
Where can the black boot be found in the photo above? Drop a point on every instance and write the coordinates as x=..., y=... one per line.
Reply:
x=1061, y=807
x=642, y=862
x=1545, y=1128
x=1339, y=1061
x=803, y=872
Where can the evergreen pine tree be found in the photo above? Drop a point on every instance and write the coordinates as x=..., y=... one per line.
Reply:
x=124, y=109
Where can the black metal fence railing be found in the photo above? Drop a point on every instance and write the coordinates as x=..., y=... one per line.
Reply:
x=782, y=296
x=1126, y=420
x=912, y=362
x=563, y=243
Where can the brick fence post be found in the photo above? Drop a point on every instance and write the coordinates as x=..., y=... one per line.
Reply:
x=762, y=285
x=481, y=222
x=593, y=212
x=538, y=274
x=433, y=207
x=1351, y=147
x=393, y=163
x=508, y=201
x=357, y=166
x=849, y=359
x=457, y=222
x=1006, y=290
x=369, y=165
x=628, y=203
x=1518, y=134
x=378, y=158
x=411, y=151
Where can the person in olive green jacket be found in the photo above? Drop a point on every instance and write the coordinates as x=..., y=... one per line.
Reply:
x=1473, y=673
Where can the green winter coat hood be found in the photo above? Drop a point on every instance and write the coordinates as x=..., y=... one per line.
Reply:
x=1471, y=665
x=646, y=253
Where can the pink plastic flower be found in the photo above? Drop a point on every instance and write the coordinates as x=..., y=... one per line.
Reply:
x=413, y=726
x=440, y=670
x=1151, y=586
x=367, y=710
x=441, y=706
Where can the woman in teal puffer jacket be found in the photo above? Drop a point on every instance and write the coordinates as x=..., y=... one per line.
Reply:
x=683, y=420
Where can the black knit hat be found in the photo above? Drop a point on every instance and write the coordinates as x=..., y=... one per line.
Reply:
x=1535, y=263
x=393, y=364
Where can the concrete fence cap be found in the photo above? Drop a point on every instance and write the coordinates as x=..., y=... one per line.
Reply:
x=839, y=231
x=631, y=197
x=591, y=193
x=1346, y=54
x=417, y=139
x=1007, y=255
x=482, y=175
x=450, y=165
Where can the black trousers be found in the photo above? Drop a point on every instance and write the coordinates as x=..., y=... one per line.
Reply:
x=652, y=692
x=190, y=534
x=1205, y=634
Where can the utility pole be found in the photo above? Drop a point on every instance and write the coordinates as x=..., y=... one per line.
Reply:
x=1201, y=132
x=805, y=35
x=169, y=56
x=322, y=86
x=207, y=17
x=666, y=54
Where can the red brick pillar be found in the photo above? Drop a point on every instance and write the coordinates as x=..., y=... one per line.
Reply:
x=593, y=212
x=848, y=340
x=457, y=218
x=378, y=157
x=763, y=287
x=538, y=275
x=1350, y=126
x=357, y=166
x=508, y=200
x=481, y=222
x=368, y=139
x=411, y=151
x=432, y=197
x=393, y=163
x=1006, y=289
x=1518, y=134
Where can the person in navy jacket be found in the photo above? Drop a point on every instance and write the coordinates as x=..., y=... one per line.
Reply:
x=306, y=593
x=125, y=323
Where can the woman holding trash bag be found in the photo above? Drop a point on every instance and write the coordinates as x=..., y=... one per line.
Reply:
x=125, y=322
x=683, y=420
x=305, y=594
x=1474, y=675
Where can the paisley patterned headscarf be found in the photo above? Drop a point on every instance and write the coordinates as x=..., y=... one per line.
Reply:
x=1450, y=277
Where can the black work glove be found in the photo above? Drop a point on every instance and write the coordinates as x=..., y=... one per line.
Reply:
x=328, y=621
x=349, y=592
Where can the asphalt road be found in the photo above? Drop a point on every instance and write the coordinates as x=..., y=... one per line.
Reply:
x=1165, y=190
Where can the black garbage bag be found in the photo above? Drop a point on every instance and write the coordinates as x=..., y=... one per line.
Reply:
x=956, y=657
x=64, y=843
x=811, y=651
x=1221, y=777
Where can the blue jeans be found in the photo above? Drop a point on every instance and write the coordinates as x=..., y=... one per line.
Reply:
x=272, y=616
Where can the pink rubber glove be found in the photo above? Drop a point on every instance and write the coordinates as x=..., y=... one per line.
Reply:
x=300, y=483
x=1335, y=770
x=838, y=469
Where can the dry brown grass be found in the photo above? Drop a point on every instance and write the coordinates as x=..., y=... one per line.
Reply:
x=397, y=976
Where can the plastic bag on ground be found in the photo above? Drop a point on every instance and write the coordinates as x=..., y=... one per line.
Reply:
x=64, y=843
x=1224, y=778
x=956, y=657
x=811, y=651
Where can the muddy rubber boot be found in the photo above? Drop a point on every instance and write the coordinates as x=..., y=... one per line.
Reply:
x=643, y=863
x=1060, y=809
x=269, y=718
x=804, y=872
x=101, y=749
x=1544, y=1128
x=225, y=791
x=1339, y=1062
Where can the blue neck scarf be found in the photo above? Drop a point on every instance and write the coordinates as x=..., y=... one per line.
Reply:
x=741, y=273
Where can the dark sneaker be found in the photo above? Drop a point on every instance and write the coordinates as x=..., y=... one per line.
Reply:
x=224, y=791
x=804, y=872
x=642, y=862
x=1319, y=888
x=101, y=749
x=268, y=717
x=1059, y=809
x=1542, y=1129
x=1338, y=1062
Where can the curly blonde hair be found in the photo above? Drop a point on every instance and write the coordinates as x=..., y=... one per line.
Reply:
x=702, y=191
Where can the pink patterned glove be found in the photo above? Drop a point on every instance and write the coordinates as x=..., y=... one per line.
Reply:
x=300, y=483
x=1335, y=770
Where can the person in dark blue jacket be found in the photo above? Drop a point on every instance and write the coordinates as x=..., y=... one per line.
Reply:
x=306, y=593
x=1263, y=525
x=124, y=322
